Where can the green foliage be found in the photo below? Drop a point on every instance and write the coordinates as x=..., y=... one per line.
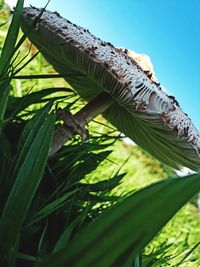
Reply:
x=1, y=3
x=11, y=38
x=77, y=208
x=126, y=228
x=28, y=168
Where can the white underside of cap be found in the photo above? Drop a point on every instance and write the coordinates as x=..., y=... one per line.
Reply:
x=131, y=88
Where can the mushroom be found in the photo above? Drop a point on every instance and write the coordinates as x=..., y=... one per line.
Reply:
x=117, y=87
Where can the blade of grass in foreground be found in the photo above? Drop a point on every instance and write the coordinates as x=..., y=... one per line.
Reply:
x=27, y=180
x=18, y=104
x=11, y=37
x=4, y=94
x=6, y=56
x=122, y=232
x=53, y=206
x=28, y=136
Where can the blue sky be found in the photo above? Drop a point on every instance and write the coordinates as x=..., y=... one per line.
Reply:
x=168, y=31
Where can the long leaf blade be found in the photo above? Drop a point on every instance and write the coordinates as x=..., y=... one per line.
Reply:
x=26, y=183
x=121, y=233
x=28, y=136
x=4, y=94
x=11, y=38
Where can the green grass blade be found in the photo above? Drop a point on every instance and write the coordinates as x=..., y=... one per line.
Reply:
x=5, y=159
x=52, y=206
x=4, y=94
x=137, y=263
x=123, y=231
x=26, y=257
x=18, y=104
x=188, y=254
x=64, y=238
x=42, y=242
x=39, y=76
x=26, y=183
x=106, y=185
x=28, y=136
x=11, y=37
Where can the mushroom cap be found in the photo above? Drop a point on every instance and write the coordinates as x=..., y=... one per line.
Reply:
x=140, y=109
x=143, y=61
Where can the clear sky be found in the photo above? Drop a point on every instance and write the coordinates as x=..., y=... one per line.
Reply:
x=168, y=31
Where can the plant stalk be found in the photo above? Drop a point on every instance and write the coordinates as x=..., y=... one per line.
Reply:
x=63, y=133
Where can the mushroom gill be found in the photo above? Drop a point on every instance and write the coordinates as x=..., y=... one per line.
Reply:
x=135, y=103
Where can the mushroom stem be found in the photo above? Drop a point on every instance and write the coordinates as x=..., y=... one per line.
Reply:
x=95, y=107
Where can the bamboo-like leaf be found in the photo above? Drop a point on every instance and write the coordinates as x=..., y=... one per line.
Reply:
x=39, y=76
x=17, y=104
x=137, y=262
x=5, y=162
x=24, y=256
x=4, y=93
x=41, y=245
x=28, y=136
x=121, y=233
x=6, y=56
x=11, y=37
x=52, y=207
x=105, y=185
x=90, y=163
x=64, y=238
x=29, y=173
